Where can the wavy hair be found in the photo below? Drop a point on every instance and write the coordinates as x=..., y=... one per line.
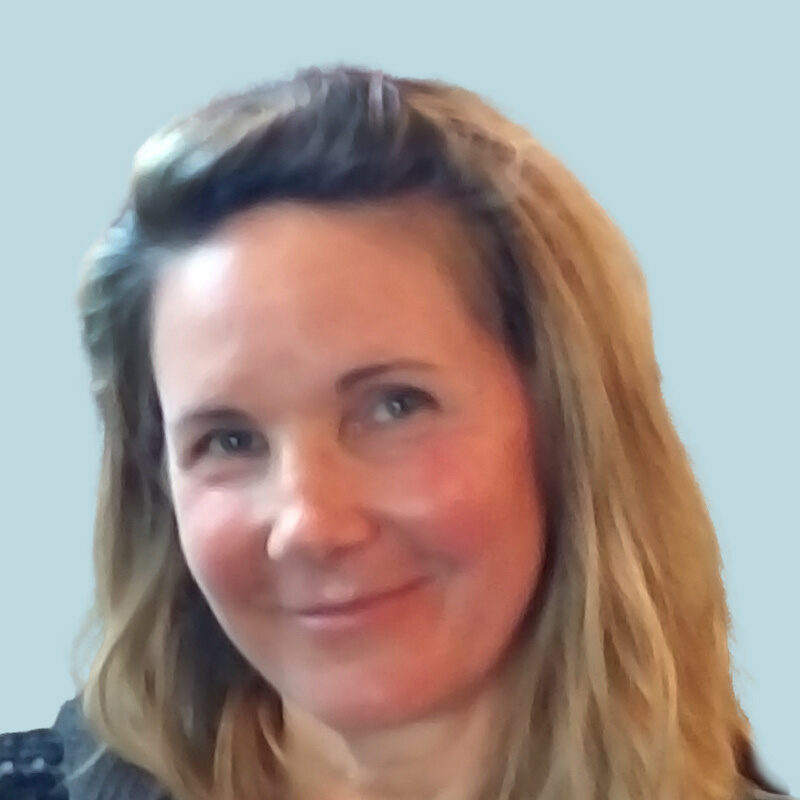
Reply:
x=624, y=682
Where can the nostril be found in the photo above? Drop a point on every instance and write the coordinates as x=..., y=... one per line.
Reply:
x=316, y=532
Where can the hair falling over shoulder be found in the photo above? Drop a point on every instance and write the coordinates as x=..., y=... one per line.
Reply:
x=623, y=672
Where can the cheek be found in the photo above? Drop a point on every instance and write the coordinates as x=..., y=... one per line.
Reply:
x=219, y=538
x=464, y=498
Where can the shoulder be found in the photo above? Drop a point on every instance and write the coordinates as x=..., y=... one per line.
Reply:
x=91, y=770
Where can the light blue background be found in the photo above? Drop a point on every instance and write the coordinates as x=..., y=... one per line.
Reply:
x=681, y=118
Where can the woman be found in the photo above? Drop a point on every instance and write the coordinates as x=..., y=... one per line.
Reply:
x=390, y=504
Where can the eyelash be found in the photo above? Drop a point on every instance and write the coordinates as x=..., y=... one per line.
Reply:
x=421, y=401
x=204, y=445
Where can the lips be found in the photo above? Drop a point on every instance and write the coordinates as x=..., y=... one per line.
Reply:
x=362, y=602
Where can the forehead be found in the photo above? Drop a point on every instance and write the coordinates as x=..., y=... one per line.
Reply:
x=294, y=284
x=276, y=247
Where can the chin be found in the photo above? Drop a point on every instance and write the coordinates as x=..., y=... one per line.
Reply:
x=358, y=710
x=361, y=705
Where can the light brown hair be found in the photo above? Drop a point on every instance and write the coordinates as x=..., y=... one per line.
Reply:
x=625, y=679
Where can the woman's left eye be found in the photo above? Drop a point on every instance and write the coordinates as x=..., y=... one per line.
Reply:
x=399, y=403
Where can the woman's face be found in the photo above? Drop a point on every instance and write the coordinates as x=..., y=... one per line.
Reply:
x=350, y=456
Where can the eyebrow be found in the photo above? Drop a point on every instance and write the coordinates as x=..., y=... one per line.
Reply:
x=369, y=371
x=210, y=415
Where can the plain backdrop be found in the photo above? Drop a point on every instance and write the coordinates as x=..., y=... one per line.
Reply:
x=681, y=118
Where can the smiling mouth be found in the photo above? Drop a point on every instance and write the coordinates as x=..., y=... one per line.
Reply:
x=364, y=603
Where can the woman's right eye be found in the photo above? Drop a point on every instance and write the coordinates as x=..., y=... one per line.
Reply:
x=230, y=442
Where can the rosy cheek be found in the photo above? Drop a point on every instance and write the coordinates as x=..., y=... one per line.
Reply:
x=219, y=537
x=443, y=495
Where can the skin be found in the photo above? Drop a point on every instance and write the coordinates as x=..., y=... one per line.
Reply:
x=340, y=427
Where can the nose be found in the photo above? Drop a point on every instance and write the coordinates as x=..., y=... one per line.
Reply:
x=318, y=511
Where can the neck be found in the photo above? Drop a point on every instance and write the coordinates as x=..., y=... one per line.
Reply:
x=442, y=757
